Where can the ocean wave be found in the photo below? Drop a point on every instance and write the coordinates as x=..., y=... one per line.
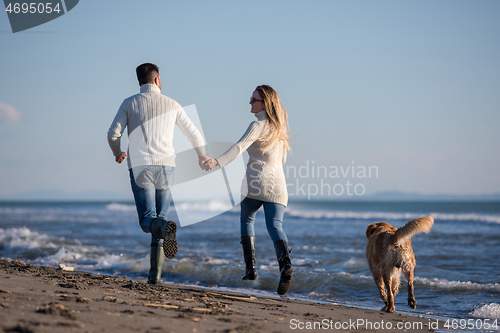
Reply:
x=443, y=284
x=63, y=255
x=305, y=262
x=94, y=258
x=211, y=206
x=25, y=238
x=374, y=215
x=467, y=217
x=355, y=263
x=120, y=207
x=467, y=285
x=491, y=311
x=120, y=263
x=214, y=261
x=314, y=248
x=14, y=210
x=339, y=214
x=356, y=276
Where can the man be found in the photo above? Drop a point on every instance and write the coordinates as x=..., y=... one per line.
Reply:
x=150, y=118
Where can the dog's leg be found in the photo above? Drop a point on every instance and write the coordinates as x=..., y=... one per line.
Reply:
x=379, y=281
x=395, y=279
x=395, y=282
x=389, y=307
x=412, y=303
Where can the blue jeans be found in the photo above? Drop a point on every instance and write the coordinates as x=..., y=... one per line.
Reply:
x=274, y=218
x=151, y=187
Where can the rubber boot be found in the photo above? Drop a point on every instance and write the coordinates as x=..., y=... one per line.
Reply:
x=285, y=264
x=157, y=260
x=248, y=244
x=163, y=229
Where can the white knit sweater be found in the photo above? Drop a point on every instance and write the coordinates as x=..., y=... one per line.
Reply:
x=265, y=179
x=150, y=118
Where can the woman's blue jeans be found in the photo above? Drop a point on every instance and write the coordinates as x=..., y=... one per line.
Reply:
x=151, y=187
x=274, y=218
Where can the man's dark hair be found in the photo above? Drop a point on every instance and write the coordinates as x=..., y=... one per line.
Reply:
x=146, y=73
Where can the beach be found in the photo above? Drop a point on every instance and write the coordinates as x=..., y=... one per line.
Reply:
x=328, y=257
x=42, y=299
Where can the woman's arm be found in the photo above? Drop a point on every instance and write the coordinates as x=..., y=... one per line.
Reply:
x=253, y=132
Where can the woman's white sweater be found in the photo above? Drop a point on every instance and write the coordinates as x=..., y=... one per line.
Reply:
x=265, y=179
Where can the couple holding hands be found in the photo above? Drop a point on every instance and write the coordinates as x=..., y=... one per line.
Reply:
x=265, y=140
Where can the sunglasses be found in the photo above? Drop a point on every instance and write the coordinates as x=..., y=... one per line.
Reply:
x=255, y=100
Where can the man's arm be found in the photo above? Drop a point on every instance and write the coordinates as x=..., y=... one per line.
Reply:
x=115, y=133
x=193, y=135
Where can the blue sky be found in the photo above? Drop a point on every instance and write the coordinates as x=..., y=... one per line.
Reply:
x=408, y=87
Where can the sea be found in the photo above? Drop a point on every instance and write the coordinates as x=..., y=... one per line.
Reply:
x=457, y=275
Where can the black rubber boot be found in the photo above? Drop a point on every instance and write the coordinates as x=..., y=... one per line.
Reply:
x=282, y=254
x=163, y=229
x=248, y=244
x=157, y=260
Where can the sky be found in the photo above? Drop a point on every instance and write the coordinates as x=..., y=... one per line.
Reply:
x=409, y=88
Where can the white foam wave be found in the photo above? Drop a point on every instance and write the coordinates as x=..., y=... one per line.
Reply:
x=467, y=217
x=322, y=214
x=122, y=263
x=356, y=276
x=354, y=263
x=315, y=248
x=350, y=250
x=25, y=238
x=444, y=284
x=468, y=285
x=305, y=262
x=219, y=262
x=491, y=311
x=120, y=207
x=63, y=255
x=211, y=206
x=93, y=258
x=382, y=216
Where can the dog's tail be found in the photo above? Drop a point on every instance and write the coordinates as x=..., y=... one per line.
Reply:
x=414, y=227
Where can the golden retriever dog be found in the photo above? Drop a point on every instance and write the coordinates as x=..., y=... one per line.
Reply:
x=389, y=252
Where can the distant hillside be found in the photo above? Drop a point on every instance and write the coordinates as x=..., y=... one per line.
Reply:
x=54, y=195
x=413, y=196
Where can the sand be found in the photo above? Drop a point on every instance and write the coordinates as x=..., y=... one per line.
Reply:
x=41, y=299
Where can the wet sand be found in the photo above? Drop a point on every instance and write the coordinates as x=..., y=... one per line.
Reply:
x=40, y=299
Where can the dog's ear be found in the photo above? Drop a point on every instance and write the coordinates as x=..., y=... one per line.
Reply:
x=370, y=230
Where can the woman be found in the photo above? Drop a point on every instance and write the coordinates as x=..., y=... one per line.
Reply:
x=267, y=143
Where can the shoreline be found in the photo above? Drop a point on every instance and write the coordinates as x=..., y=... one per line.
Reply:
x=42, y=299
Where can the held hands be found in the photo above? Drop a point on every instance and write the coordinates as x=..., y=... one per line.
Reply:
x=202, y=160
x=207, y=163
x=210, y=164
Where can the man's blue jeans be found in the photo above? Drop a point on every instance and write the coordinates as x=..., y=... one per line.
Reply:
x=151, y=187
x=274, y=218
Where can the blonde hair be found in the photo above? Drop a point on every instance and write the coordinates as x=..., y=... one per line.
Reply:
x=277, y=120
